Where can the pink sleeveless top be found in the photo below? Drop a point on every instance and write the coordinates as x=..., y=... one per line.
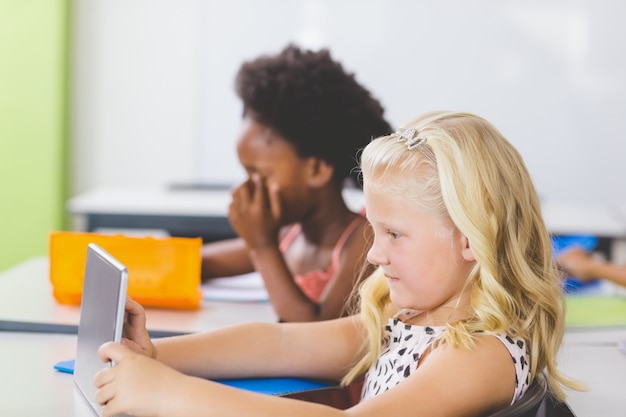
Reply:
x=313, y=283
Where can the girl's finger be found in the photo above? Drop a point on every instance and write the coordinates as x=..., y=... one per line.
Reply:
x=274, y=201
x=111, y=351
x=259, y=196
x=104, y=394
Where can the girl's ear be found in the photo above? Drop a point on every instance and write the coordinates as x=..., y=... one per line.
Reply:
x=466, y=252
x=320, y=172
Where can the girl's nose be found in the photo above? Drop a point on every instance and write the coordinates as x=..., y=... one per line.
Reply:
x=375, y=255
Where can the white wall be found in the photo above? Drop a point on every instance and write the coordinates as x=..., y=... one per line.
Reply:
x=136, y=73
x=153, y=79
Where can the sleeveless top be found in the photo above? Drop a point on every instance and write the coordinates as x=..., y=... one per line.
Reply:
x=313, y=283
x=404, y=345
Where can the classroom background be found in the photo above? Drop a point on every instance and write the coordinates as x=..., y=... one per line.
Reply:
x=138, y=93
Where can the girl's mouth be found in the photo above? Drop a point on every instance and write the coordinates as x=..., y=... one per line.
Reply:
x=391, y=279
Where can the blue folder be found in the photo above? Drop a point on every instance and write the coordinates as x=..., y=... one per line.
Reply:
x=269, y=386
x=563, y=242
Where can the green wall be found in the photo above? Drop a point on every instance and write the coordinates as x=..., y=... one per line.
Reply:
x=33, y=125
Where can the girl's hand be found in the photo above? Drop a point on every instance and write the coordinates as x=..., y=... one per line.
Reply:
x=135, y=335
x=136, y=385
x=578, y=263
x=256, y=212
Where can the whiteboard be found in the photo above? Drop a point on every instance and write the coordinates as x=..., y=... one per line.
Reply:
x=551, y=75
x=157, y=76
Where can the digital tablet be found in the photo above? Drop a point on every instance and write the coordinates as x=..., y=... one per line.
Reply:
x=101, y=317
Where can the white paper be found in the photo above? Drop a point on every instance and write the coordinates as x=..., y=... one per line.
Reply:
x=246, y=287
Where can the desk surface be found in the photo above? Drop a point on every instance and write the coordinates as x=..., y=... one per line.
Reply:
x=31, y=386
x=26, y=297
x=603, y=369
x=35, y=389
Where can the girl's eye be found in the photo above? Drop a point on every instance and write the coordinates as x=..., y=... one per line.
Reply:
x=393, y=235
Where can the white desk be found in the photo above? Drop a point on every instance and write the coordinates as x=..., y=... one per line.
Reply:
x=603, y=369
x=209, y=202
x=593, y=218
x=180, y=212
x=212, y=202
x=602, y=220
x=26, y=298
x=177, y=212
x=31, y=387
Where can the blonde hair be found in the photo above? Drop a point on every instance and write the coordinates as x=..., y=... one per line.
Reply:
x=467, y=172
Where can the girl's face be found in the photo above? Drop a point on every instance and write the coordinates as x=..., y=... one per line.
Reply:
x=266, y=154
x=426, y=259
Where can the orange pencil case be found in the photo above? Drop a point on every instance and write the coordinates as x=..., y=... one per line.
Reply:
x=162, y=272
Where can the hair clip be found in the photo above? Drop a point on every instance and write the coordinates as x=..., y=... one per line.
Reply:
x=410, y=137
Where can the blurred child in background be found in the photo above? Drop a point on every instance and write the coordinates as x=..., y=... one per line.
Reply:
x=304, y=120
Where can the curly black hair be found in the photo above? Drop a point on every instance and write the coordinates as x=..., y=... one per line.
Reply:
x=312, y=102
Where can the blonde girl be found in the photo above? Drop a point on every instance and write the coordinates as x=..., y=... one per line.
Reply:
x=464, y=311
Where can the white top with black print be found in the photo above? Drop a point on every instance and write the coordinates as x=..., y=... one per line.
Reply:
x=404, y=346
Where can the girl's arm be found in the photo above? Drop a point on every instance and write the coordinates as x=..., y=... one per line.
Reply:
x=447, y=382
x=583, y=266
x=290, y=303
x=140, y=386
x=323, y=350
x=232, y=257
x=353, y=268
x=225, y=258
x=253, y=349
x=255, y=214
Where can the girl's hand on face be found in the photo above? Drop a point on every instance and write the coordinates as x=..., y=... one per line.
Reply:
x=135, y=335
x=256, y=212
x=136, y=385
